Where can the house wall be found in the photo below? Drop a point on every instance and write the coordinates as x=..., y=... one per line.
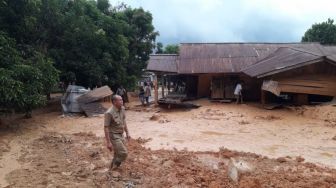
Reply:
x=317, y=79
x=251, y=87
x=191, y=86
x=324, y=68
x=204, y=82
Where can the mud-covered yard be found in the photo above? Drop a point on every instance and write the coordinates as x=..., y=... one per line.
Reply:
x=175, y=148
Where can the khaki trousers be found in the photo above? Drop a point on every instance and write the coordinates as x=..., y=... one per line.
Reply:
x=119, y=148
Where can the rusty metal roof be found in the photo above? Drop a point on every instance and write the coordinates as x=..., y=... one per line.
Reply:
x=235, y=57
x=286, y=58
x=163, y=63
x=283, y=59
x=330, y=53
x=229, y=57
x=95, y=95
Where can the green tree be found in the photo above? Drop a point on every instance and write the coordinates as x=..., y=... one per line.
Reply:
x=103, y=5
x=141, y=41
x=171, y=49
x=50, y=75
x=324, y=32
x=24, y=82
x=159, y=48
x=89, y=42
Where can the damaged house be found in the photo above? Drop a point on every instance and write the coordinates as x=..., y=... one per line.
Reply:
x=213, y=69
x=77, y=99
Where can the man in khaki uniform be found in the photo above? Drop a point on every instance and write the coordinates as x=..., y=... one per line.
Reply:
x=114, y=127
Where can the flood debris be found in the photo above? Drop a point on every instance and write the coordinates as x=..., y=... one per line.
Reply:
x=77, y=99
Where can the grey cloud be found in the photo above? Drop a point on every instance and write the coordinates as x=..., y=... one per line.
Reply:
x=223, y=21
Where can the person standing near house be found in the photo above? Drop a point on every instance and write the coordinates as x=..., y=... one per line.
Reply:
x=121, y=91
x=147, y=93
x=142, y=95
x=238, y=92
x=114, y=128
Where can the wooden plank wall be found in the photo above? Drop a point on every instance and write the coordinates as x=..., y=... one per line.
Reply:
x=310, y=84
x=251, y=87
x=204, y=82
x=317, y=79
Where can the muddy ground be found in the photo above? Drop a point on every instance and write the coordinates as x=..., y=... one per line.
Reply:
x=174, y=148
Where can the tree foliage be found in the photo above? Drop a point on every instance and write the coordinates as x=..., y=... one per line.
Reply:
x=169, y=49
x=24, y=82
x=159, y=48
x=324, y=32
x=83, y=41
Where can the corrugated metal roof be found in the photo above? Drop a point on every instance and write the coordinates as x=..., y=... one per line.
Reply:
x=235, y=57
x=163, y=63
x=95, y=95
x=330, y=52
x=332, y=58
x=281, y=59
x=229, y=57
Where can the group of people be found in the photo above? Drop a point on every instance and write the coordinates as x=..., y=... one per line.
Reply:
x=144, y=93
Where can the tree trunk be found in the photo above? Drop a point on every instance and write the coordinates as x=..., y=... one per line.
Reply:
x=48, y=96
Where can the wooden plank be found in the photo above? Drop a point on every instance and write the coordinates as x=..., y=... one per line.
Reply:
x=326, y=89
x=204, y=82
x=95, y=95
x=308, y=83
x=308, y=90
x=229, y=91
x=317, y=77
x=163, y=85
x=217, y=91
x=156, y=91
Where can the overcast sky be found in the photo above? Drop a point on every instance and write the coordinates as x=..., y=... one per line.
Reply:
x=234, y=20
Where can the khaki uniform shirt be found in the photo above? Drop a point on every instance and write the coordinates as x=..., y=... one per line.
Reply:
x=115, y=120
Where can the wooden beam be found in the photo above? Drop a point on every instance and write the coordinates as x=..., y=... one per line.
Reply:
x=309, y=83
x=168, y=77
x=162, y=85
x=308, y=90
x=156, y=92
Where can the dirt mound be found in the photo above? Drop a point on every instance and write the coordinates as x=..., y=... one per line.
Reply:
x=81, y=160
x=326, y=113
